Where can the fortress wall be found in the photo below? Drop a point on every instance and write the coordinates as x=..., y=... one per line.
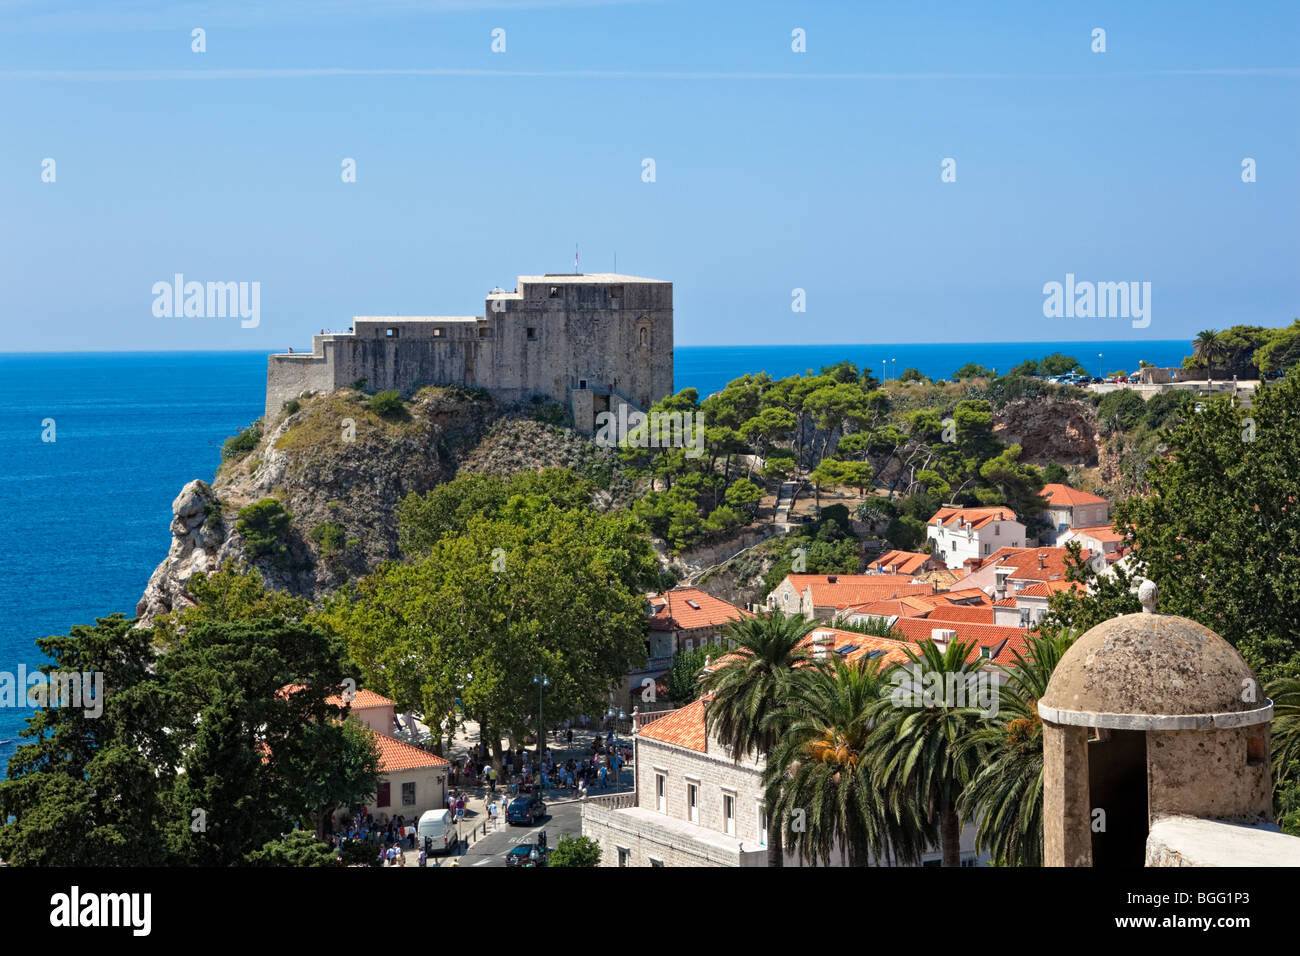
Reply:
x=288, y=376
x=582, y=331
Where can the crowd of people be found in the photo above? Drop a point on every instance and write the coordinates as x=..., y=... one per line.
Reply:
x=575, y=775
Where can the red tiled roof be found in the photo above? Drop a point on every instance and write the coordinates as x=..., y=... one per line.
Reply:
x=1000, y=637
x=1005, y=602
x=673, y=611
x=982, y=614
x=1024, y=564
x=900, y=562
x=1048, y=588
x=396, y=755
x=892, y=607
x=684, y=727
x=362, y=699
x=864, y=589
x=978, y=517
x=1063, y=496
x=971, y=596
x=1102, y=533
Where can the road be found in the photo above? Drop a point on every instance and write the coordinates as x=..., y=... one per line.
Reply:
x=565, y=818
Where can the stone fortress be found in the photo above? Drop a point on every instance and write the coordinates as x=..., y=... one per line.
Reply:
x=589, y=341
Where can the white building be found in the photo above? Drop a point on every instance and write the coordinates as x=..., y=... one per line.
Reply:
x=959, y=534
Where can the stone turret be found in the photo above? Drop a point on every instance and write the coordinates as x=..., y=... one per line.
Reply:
x=1147, y=717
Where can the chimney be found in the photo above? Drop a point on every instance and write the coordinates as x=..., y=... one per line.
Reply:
x=831, y=579
x=942, y=637
x=1042, y=561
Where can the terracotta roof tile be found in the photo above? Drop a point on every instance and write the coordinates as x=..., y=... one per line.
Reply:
x=978, y=517
x=999, y=637
x=1063, y=496
x=900, y=562
x=397, y=755
x=684, y=727
x=686, y=608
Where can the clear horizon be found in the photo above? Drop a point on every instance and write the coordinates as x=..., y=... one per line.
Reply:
x=774, y=170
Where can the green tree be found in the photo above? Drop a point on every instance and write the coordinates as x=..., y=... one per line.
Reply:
x=1285, y=694
x=265, y=527
x=750, y=686
x=1281, y=352
x=575, y=851
x=819, y=782
x=298, y=848
x=919, y=752
x=1207, y=349
x=90, y=789
x=1218, y=532
x=1005, y=796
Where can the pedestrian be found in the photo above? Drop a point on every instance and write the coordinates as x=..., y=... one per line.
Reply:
x=570, y=736
x=422, y=859
x=401, y=857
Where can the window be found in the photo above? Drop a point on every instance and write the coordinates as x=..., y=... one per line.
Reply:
x=582, y=383
x=383, y=794
x=555, y=292
x=532, y=335
x=986, y=549
x=693, y=802
x=997, y=531
x=762, y=825
x=690, y=644
x=483, y=333
x=437, y=333
x=729, y=814
x=615, y=291
x=1024, y=617
x=392, y=333
x=661, y=793
x=408, y=794
x=654, y=862
x=624, y=856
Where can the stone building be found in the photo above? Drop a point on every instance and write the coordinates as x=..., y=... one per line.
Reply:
x=694, y=805
x=588, y=341
x=1156, y=750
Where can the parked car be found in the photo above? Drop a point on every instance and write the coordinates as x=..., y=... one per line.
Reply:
x=527, y=854
x=526, y=810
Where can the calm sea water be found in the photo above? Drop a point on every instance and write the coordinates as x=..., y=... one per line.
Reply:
x=86, y=517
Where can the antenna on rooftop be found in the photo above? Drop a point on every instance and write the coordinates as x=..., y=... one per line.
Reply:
x=576, y=270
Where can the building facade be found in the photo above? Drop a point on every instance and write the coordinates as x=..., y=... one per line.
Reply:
x=588, y=341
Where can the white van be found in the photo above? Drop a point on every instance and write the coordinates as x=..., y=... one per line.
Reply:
x=436, y=831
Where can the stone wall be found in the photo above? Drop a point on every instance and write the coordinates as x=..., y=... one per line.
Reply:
x=551, y=336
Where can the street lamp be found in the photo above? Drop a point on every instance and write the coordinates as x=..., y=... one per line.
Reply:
x=542, y=682
x=883, y=377
x=1100, y=373
x=893, y=368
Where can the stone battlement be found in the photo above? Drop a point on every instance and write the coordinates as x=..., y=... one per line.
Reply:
x=577, y=339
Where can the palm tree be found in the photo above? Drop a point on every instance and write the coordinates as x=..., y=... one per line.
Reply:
x=1285, y=693
x=1207, y=347
x=1006, y=795
x=751, y=686
x=818, y=777
x=917, y=747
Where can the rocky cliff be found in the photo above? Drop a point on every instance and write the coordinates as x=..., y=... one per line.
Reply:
x=335, y=464
x=1063, y=431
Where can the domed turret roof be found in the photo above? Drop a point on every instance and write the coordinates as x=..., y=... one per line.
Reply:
x=1153, y=671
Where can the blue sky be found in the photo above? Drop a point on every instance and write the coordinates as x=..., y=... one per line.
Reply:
x=774, y=170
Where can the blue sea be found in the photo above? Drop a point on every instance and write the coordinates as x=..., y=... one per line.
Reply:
x=85, y=517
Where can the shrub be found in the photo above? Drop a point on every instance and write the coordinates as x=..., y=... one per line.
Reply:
x=292, y=406
x=236, y=446
x=575, y=851
x=212, y=519
x=386, y=404
x=359, y=385
x=329, y=538
x=264, y=527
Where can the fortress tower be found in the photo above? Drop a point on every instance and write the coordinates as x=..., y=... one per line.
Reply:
x=587, y=341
